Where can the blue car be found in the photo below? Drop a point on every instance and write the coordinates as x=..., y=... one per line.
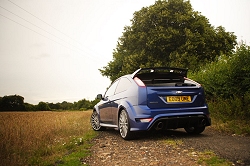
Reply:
x=152, y=99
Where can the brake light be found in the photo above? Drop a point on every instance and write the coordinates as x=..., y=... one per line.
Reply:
x=139, y=82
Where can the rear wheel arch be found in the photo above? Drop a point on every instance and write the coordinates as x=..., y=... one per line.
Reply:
x=119, y=111
x=94, y=110
x=126, y=105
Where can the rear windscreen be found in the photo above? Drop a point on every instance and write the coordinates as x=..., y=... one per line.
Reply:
x=164, y=76
x=163, y=79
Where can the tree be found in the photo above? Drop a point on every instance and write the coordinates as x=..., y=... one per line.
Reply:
x=42, y=106
x=66, y=105
x=83, y=104
x=12, y=103
x=168, y=33
x=29, y=107
x=53, y=106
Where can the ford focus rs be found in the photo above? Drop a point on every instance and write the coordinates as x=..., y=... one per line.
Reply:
x=152, y=99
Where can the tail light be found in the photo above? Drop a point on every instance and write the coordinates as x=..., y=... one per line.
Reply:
x=139, y=82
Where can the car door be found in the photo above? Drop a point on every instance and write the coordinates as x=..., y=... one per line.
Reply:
x=120, y=95
x=105, y=108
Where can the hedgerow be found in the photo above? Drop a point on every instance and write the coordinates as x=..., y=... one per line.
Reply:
x=227, y=84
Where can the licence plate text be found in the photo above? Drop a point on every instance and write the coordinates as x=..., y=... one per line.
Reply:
x=179, y=99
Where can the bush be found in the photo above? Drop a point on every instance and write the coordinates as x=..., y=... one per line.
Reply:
x=228, y=76
x=227, y=84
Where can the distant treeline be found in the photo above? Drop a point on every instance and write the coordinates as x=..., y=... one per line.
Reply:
x=16, y=103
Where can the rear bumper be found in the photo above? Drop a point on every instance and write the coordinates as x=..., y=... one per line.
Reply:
x=171, y=118
x=180, y=122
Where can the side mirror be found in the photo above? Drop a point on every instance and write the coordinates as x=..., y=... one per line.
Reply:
x=99, y=96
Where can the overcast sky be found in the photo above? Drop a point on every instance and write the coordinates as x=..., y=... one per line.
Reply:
x=51, y=50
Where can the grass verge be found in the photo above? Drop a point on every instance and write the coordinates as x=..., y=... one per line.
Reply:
x=230, y=116
x=210, y=158
x=238, y=127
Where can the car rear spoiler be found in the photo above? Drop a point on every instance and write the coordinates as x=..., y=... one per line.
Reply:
x=177, y=71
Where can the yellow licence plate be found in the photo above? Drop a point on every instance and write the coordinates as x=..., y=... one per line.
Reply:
x=179, y=99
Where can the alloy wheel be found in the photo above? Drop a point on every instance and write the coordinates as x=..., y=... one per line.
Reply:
x=95, y=123
x=123, y=124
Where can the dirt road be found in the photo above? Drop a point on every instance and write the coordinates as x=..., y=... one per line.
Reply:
x=151, y=148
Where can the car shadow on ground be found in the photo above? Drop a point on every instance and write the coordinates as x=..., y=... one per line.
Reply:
x=169, y=134
x=158, y=135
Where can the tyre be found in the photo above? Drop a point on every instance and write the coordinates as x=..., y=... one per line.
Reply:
x=95, y=122
x=124, y=126
x=195, y=130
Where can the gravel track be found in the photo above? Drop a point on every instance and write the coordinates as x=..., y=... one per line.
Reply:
x=151, y=148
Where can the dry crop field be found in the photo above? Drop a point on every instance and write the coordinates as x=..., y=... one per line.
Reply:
x=41, y=138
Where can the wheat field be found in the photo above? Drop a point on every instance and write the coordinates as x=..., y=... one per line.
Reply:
x=27, y=136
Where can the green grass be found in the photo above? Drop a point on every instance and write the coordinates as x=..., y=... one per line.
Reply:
x=76, y=151
x=209, y=158
x=173, y=142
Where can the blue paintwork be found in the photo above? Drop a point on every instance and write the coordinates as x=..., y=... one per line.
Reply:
x=150, y=102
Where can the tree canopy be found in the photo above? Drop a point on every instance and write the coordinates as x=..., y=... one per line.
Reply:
x=168, y=33
x=12, y=103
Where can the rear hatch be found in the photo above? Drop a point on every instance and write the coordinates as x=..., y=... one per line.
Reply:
x=170, y=88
